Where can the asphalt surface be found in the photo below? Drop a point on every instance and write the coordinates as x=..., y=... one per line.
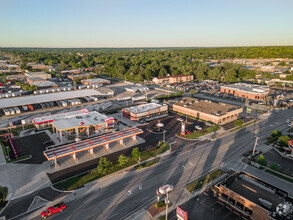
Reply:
x=136, y=191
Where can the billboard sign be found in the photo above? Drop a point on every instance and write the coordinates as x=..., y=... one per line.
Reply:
x=182, y=128
x=181, y=214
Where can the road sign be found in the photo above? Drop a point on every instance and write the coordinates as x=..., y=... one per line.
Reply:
x=182, y=128
x=181, y=214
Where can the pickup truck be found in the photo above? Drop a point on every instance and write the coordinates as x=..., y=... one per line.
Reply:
x=53, y=209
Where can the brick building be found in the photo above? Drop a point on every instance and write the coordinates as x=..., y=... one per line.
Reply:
x=244, y=90
x=146, y=112
x=218, y=113
x=173, y=79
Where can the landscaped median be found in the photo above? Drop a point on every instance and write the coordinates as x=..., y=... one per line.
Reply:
x=106, y=167
x=3, y=194
x=203, y=181
x=198, y=134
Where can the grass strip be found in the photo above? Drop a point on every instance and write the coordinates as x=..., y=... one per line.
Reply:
x=197, y=134
x=79, y=181
x=244, y=125
x=3, y=195
x=199, y=183
x=148, y=163
x=279, y=175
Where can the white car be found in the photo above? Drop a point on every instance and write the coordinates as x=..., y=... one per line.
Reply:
x=198, y=127
x=165, y=189
x=180, y=119
x=288, y=121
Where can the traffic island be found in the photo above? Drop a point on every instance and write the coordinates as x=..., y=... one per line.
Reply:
x=156, y=208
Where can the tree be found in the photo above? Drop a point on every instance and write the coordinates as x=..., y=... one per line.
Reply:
x=122, y=160
x=276, y=133
x=283, y=140
x=135, y=153
x=274, y=166
x=262, y=160
x=238, y=122
x=105, y=166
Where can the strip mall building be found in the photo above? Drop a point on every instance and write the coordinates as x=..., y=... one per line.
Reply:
x=145, y=112
x=244, y=90
x=218, y=113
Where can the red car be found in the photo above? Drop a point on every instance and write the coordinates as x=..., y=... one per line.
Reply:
x=53, y=209
x=187, y=132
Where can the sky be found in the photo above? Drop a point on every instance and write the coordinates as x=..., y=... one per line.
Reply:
x=145, y=23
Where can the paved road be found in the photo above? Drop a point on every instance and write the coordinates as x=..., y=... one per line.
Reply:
x=135, y=191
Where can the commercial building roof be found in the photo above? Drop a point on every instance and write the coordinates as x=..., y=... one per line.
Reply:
x=41, y=84
x=82, y=120
x=35, y=99
x=35, y=78
x=51, y=118
x=253, y=189
x=248, y=88
x=96, y=80
x=90, y=143
x=36, y=73
x=206, y=106
x=177, y=76
x=143, y=108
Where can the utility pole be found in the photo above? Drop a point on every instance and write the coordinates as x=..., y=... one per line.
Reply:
x=254, y=146
x=164, y=135
x=167, y=203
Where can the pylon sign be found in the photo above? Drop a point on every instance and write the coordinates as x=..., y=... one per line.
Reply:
x=182, y=128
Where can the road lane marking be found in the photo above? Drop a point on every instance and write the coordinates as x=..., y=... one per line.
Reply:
x=140, y=186
x=145, y=198
x=129, y=192
x=190, y=163
x=245, y=166
x=184, y=166
x=173, y=142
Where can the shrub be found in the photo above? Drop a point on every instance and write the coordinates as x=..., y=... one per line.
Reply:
x=283, y=140
x=159, y=204
x=274, y=166
x=262, y=160
x=238, y=122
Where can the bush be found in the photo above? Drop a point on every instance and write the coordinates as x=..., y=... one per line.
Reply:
x=276, y=133
x=105, y=166
x=262, y=160
x=238, y=122
x=274, y=166
x=160, y=204
x=283, y=140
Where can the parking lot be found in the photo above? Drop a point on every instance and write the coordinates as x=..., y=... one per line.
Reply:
x=206, y=206
x=172, y=124
x=32, y=145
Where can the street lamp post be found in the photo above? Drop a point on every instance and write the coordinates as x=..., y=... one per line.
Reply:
x=167, y=204
x=164, y=135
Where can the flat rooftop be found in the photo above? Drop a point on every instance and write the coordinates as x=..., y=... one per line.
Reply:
x=36, y=99
x=143, y=108
x=83, y=120
x=248, y=88
x=41, y=84
x=96, y=80
x=206, y=106
x=253, y=190
x=50, y=118
x=90, y=143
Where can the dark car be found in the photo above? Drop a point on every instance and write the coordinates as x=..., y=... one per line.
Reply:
x=48, y=143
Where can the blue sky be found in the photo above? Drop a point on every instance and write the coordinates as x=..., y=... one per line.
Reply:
x=145, y=23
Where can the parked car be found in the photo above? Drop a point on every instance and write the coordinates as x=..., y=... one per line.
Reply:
x=180, y=119
x=198, y=127
x=165, y=189
x=187, y=132
x=53, y=209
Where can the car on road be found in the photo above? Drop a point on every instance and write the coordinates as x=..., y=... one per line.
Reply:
x=165, y=189
x=53, y=209
x=288, y=121
x=198, y=127
x=180, y=119
x=187, y=131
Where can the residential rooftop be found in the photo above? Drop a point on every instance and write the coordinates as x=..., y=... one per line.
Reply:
x=36, y=73
x=205, y=106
